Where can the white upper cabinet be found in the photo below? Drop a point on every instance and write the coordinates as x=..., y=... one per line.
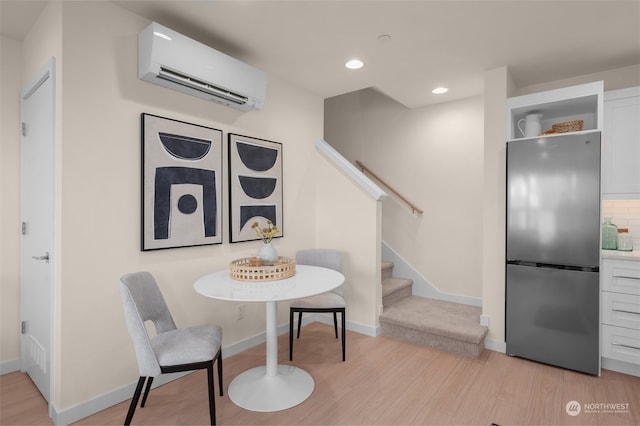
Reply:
x=582, y=102
x=621, y=144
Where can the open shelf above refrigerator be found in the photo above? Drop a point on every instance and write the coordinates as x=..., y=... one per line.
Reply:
x=583, y=102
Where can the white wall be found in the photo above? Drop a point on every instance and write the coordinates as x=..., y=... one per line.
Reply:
x=98, y=196
x=349, y=219
x=43, y=42
x=619, y=78
x=20, y=63
x=450, y=161
x=498, y=87
x=433, y=157
x=98, y=160
x=10, y=83
x=100, y=182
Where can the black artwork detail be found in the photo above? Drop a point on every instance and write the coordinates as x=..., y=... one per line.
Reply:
x=167, y=176
x=249, y=212
x=255, y=185
x=187, y=204
x=258, y=187
x=258, y=158
x=184, y=147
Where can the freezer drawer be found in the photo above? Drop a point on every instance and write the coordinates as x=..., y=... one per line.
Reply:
x=552, y=316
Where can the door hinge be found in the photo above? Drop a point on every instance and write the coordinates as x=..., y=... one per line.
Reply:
x=24, y=129
x=23, y=228
x=23, y=327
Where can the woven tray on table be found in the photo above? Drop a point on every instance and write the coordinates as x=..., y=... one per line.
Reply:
x=243, y=269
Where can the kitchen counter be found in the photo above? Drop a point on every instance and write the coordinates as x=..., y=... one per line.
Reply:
x=620, y=255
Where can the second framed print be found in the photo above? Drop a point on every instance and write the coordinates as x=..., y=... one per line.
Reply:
x=255, y=186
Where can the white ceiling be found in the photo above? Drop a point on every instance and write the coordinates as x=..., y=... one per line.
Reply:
x=432, y=43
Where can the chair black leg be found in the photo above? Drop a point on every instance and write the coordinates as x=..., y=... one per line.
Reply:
x=134, y=400
x=212, y=401
x=146, y=391
x=335, y=323
x=219, y=358
x=299, y=322
x=290, y=334
x=344, y=327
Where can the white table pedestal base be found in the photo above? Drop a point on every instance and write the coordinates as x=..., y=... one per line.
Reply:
x=272, y=387
x=256, y=391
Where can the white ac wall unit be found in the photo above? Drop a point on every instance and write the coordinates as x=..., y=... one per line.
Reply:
x=172, y=60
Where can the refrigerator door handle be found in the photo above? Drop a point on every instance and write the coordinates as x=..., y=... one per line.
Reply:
x=521, y=263
x=553, y=266
x=569, y=267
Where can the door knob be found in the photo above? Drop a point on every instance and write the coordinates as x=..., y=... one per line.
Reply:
x=45, y=257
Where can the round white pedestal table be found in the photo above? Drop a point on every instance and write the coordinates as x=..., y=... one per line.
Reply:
x=272, y=387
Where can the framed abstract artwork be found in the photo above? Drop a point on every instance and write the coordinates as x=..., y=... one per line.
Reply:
x=255, y=186
x=181, y=184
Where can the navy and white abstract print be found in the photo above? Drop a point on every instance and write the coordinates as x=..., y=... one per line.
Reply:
x=255, y=185
x=182, y=167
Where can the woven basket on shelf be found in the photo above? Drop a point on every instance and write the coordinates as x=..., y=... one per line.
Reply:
x=245, y=269
x=568, y=126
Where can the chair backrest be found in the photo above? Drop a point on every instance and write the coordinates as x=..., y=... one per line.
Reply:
x=143, y=301
x=326, y=258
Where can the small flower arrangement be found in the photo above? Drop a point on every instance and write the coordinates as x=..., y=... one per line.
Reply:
x=266, y=233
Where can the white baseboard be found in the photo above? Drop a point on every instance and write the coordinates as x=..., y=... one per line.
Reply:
x=620, y=366
x=9, y=366
x=92, y=406
x=351, y=325
x=495, y=345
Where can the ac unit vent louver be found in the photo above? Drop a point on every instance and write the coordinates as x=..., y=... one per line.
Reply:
x=200, y=85
x=172, y=60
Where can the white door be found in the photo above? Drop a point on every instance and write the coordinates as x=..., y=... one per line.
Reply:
x=37, y=192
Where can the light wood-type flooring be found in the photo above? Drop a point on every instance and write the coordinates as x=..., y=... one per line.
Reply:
x=383, y=382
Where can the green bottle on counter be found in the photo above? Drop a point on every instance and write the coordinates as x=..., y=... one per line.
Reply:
x=609, y=235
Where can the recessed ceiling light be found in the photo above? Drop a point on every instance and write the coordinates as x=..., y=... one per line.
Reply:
x=439, y=90
x=354, y=64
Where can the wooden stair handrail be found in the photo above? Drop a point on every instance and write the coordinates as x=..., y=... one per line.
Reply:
x=414, y=208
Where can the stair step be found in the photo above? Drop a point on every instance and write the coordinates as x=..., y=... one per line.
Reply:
x=448, y=326
x=395, y=289
x=387, y=269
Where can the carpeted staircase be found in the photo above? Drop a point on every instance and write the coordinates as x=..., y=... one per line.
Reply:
x=447, y=326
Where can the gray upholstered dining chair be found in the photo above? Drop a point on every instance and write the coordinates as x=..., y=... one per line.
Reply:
x=331, y=301
x=171, y=349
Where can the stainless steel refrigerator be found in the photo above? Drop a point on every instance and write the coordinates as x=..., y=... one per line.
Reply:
x=553, y=250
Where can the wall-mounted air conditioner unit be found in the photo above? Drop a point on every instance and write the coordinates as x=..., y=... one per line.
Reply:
x=172, y=60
